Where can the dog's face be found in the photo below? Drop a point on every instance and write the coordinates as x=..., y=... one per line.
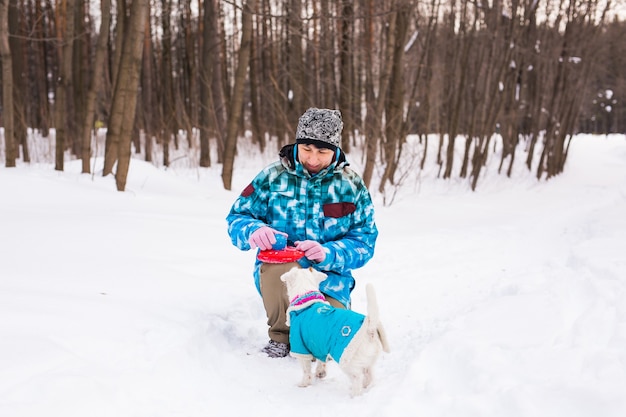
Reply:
x=300, y=281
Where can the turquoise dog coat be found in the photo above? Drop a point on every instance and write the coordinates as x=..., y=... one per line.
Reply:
x=321, y=331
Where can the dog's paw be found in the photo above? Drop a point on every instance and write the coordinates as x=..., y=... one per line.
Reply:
x=306, y=381
x=320, y=371
x=355, y=391
x=357, y=386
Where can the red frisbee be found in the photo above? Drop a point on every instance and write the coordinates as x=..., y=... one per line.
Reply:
x=283, y=256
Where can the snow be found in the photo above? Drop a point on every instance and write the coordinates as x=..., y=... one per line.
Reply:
x=507, y=301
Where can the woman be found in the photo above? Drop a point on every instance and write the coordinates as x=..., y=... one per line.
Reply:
x=321, y=206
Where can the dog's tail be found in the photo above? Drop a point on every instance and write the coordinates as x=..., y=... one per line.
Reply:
x=374, y=316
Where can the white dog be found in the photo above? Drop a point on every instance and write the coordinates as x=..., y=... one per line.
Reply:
x=320, y=331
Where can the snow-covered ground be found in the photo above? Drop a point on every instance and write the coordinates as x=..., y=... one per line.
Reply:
x=508, y=301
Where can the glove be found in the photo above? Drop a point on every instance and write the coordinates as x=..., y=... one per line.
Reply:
x=313, y=251
x=263, y=238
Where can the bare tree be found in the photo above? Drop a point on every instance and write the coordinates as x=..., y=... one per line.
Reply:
x=96, y=80
x=81, y=58
x=237, y=98
x=328, y=88
x=125, y=97
x=346, y=93
x=39, y=112
x=395, y=102
x=254, y=74
x=7, y=85
x=372, y=129
x=210, y=54
x=64, y=85
x=16, y=43
x=295, y=60
x=188, y=81
x=149, y=99
x=168, y=112
x=458, y=68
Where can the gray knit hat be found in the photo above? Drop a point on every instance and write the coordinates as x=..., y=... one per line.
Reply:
x=320, y=127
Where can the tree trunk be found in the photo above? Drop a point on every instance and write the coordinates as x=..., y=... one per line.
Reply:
x=169, y=107
x=298, y=102
x=274, y=111
x=120, y=30
x=458, y=72
x=125, y=96
x=20, y=63
x=219, y=84
x=189, y=82
x=64, y=85
x=210, y=54
x=90, y=104
x=237, y=96
x=7, y=85
x=80, y=78
x=346, y=92
x=327, y=58
x=205, y=84
x=386, y=68
x=257, y=133
x=148, y=93
x=40, y=108
x=395, y=103
x=371, y=122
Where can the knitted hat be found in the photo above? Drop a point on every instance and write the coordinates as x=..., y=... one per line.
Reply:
x=320, y=127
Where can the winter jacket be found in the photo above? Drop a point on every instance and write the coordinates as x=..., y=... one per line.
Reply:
x=332, y=207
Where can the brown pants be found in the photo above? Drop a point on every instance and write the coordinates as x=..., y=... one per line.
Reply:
x=276, y=302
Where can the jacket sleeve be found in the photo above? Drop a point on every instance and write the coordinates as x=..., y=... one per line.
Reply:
x=248, y=212
x=356, y=248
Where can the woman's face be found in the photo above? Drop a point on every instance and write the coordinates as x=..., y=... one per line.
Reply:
x=313, y=158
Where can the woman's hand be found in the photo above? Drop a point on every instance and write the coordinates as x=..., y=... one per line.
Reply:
x=313, y=251
x=264, y=237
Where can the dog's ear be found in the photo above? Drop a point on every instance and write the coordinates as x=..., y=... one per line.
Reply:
x=284, y=277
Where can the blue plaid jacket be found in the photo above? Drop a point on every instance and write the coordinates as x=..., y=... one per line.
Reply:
x=332, y=207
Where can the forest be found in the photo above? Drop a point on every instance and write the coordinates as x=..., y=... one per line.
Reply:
x=530, y=74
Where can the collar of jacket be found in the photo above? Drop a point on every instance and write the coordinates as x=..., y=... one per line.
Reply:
x=311, y=296
x=298, y=305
